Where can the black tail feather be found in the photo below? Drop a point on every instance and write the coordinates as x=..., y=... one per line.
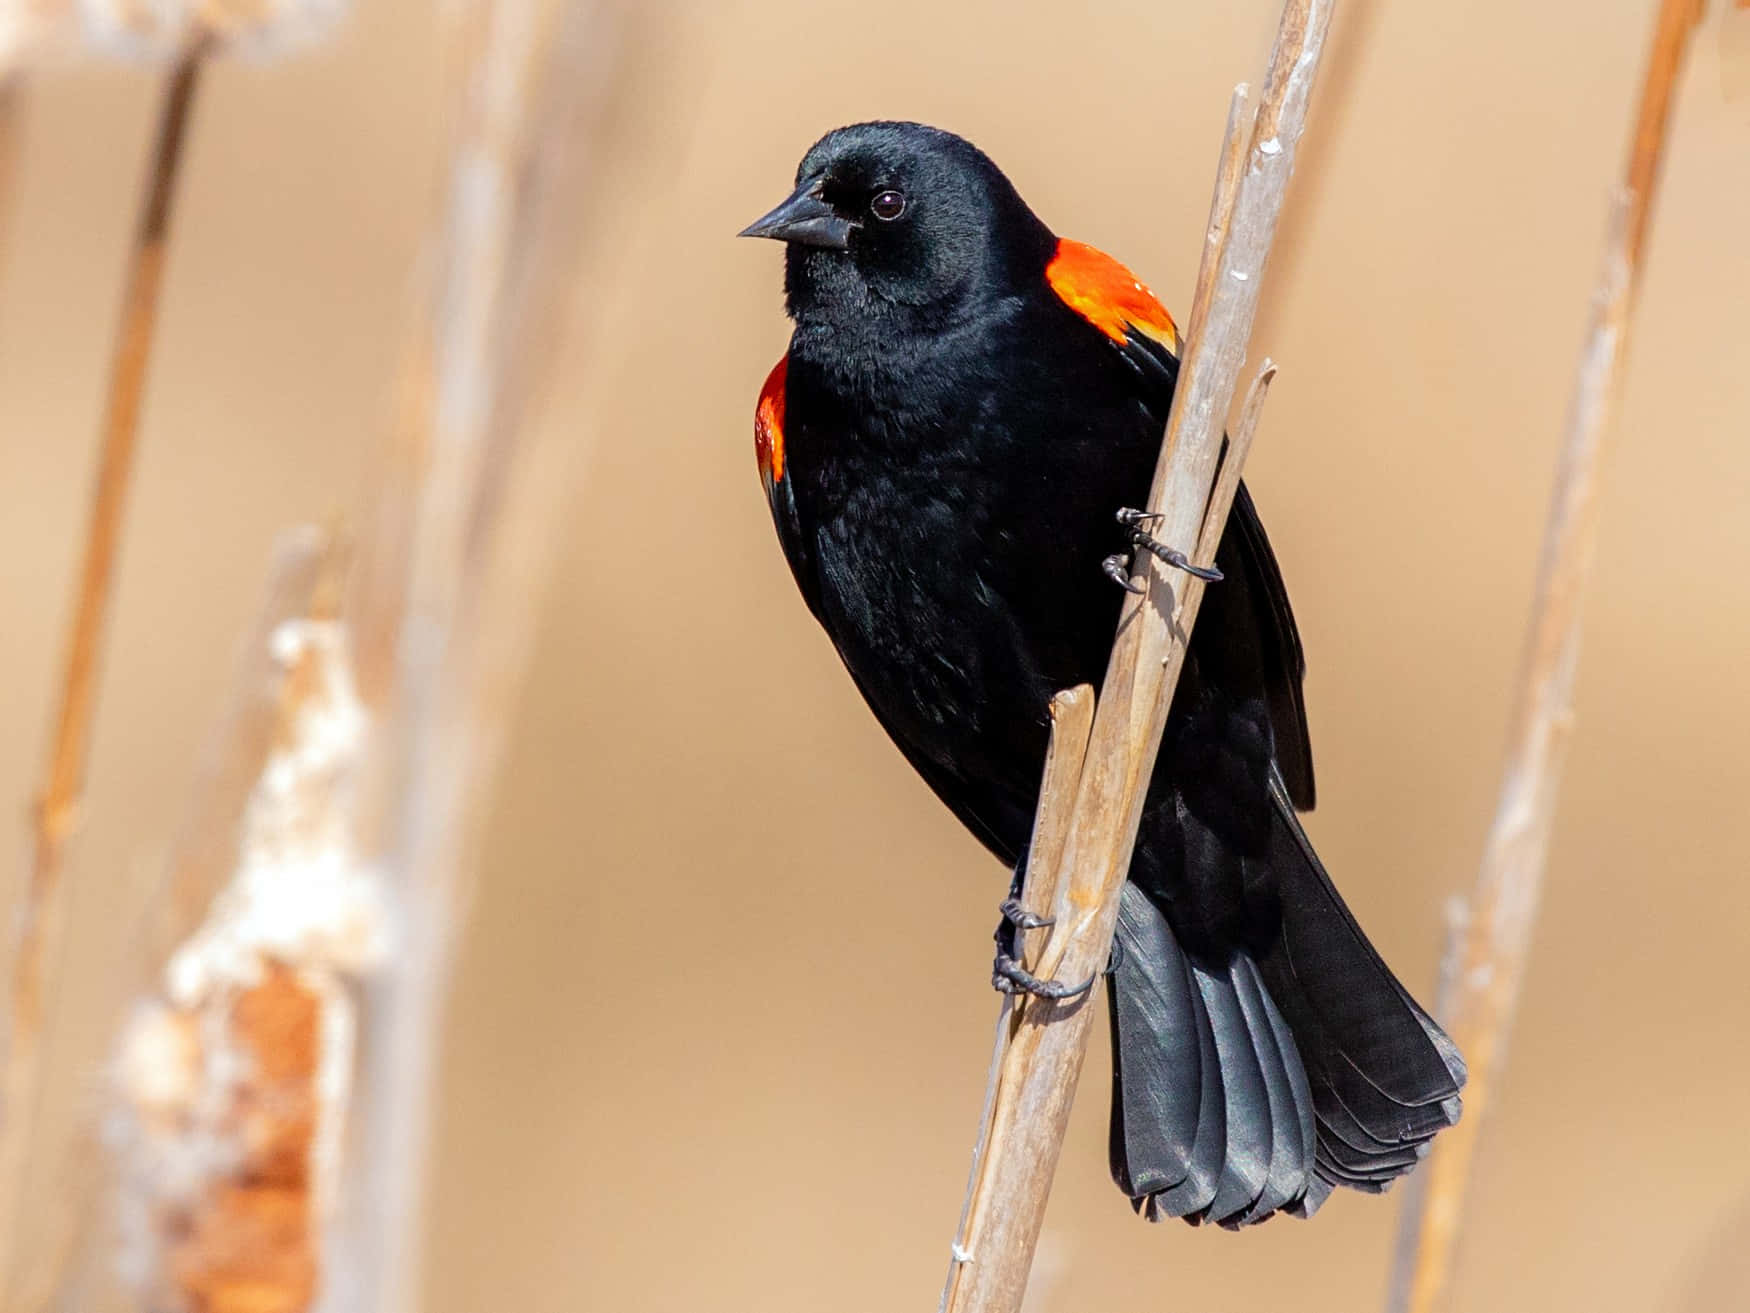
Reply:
x=1245, y=1165
x=1192, y=1196
x=1238, y=1145
x=1168, y=1137
x=1291, y=1109
x=1255, y=1085
x=1385, y=1078
x=1157, y=1053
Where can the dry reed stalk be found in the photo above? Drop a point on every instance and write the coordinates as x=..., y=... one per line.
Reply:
x=38, y=924
x=232, y=1076
x=1503, y=905
x=301, y=575
x=454, y=562
x=1072, y=721
x=306, y=572
x=1036, y=1077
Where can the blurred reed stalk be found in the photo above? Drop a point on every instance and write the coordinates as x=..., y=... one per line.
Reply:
x=273, y=1081
x=261, y=702
x=1090, y=825
x=455, y=556
x=50, y=32
x=38, y=924
x=1504, y=902
x=229, y=1083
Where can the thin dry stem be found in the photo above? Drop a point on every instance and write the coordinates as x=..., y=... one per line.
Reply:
x=1239, y=446
x=42, y=909
x=455, y=561
x=1072, y=721
x=1510, y=880
x=1037, y=1077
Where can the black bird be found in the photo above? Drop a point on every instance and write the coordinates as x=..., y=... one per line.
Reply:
x=966, y=405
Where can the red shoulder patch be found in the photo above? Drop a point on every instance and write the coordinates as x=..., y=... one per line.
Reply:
x=768, y=424
x=1108, y=295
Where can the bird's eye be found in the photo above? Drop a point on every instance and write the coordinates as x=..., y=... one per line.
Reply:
x=887, y=205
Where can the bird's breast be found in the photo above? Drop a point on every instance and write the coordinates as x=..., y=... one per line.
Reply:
x=903, y=559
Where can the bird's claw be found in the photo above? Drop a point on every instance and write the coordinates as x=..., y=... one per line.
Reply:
x=1019, y=917
x=1010, y=977
x=1177, y=559
x=1117, y=568
x=1133, y=520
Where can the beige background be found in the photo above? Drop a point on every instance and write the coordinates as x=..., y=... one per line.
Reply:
x=637, y=1118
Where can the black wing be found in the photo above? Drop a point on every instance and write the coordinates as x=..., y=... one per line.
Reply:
x=1267, y=621
x=1246, y=637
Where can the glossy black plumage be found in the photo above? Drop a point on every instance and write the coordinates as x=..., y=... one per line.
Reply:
x=960, y=421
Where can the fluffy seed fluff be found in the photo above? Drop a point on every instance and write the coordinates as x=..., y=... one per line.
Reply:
x=232, y=1083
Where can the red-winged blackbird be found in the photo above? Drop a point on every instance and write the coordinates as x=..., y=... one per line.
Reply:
x=967, y=403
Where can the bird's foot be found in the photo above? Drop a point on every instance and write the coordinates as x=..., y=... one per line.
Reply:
x=1134, y=520
x=1117, y=568
x=1018, y=916
x=1010, y=977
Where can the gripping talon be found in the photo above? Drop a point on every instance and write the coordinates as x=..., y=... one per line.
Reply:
x=1133, y=519
x=1010, y=977
x=1019, y=917
x=1117, y=568
x=1177, y=559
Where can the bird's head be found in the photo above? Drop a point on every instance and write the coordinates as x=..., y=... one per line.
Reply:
x=899, y=220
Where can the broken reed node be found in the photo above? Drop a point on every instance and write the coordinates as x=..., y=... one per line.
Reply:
x=1099, y=762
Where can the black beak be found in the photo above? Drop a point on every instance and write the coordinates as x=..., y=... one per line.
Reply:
x=805, y=219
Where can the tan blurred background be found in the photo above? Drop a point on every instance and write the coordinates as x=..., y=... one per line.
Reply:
x=719, y=1034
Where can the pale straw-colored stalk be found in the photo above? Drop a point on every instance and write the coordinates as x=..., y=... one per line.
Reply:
x=1035, y=1077
x=1503, y=905
x=39, y=921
